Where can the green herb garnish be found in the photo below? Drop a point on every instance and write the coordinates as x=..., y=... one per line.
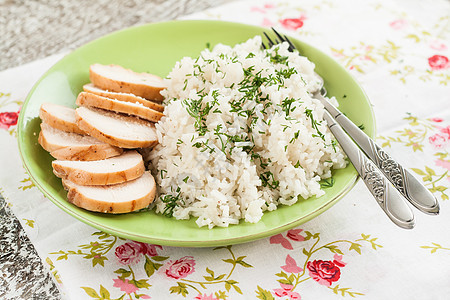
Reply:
x=327, y=183
x=171, y=202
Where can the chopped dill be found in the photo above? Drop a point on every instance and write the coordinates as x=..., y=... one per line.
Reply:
x=295, y=137
x=286, y=105
x=204, y=145
x=297, y=165
x=314, y=124
x=334, y=144
x=171, y=203
x=219, y=136
x=277, y=58
x=268, y=179
x=327, y=183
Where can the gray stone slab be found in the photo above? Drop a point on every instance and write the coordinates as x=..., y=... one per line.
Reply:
x=30, y=30
x=23, y=276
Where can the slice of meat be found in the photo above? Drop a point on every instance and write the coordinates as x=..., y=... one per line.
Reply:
x=120, y=80
x=72, y=146
x=135, y=109
x=127, y=97
x=115, y=129
x=125, y=167
x=115, y=199
x=59, y=117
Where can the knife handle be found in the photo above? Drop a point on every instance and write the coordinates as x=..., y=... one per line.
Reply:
x=387, y=197
x=415, y=192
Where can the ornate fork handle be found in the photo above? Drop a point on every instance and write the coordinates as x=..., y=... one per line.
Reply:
x=390, y=201
x=381, y=166
x=402, y=179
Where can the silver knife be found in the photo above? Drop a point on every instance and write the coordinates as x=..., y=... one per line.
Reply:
x=389, y=199
x=417, y=194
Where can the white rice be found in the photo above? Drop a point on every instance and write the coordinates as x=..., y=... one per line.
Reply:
x=211, y=174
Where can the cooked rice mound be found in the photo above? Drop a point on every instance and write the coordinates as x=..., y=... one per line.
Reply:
x=241, y=135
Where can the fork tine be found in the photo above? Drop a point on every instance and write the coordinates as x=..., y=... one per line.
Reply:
x=284, y=38
x=278, y=35
x=291, y=46
x=268, y=38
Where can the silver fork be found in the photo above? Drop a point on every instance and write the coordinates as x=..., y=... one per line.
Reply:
x=376, y=165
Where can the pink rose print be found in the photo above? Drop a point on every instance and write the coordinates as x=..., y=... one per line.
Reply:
x=129, y=253
x=125, y=286
x=324, y=272
x=279, y=239
x=438, y=140
x=446, y=131
x=438, y=62
x=294, y=234
x=437, y=120
x=441, y=139
x=180, y=268
x=442, y=163
x=267, y=23
x=291, y=265
x=257, y=9
x=292, y=23
x=286, y=290
x=262, y=9
x=337, y=260
x=149, y=249
x=205, y=297
x=8, y=119
x=398, y=24
x=437, y=45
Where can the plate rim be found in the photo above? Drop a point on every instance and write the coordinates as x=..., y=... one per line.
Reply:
x=187, y=243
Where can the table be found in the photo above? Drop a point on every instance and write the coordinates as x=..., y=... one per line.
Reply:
x=33, y=30
x=36, y=29
x=399, y=53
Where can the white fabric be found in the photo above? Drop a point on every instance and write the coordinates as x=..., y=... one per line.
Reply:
x=390, y=43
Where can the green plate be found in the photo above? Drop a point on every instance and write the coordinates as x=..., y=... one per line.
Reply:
x=155, y=48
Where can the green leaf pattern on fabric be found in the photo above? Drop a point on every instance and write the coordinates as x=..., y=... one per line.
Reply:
x=434, y=135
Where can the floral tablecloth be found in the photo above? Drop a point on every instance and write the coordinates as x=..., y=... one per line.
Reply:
x=399, y=52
